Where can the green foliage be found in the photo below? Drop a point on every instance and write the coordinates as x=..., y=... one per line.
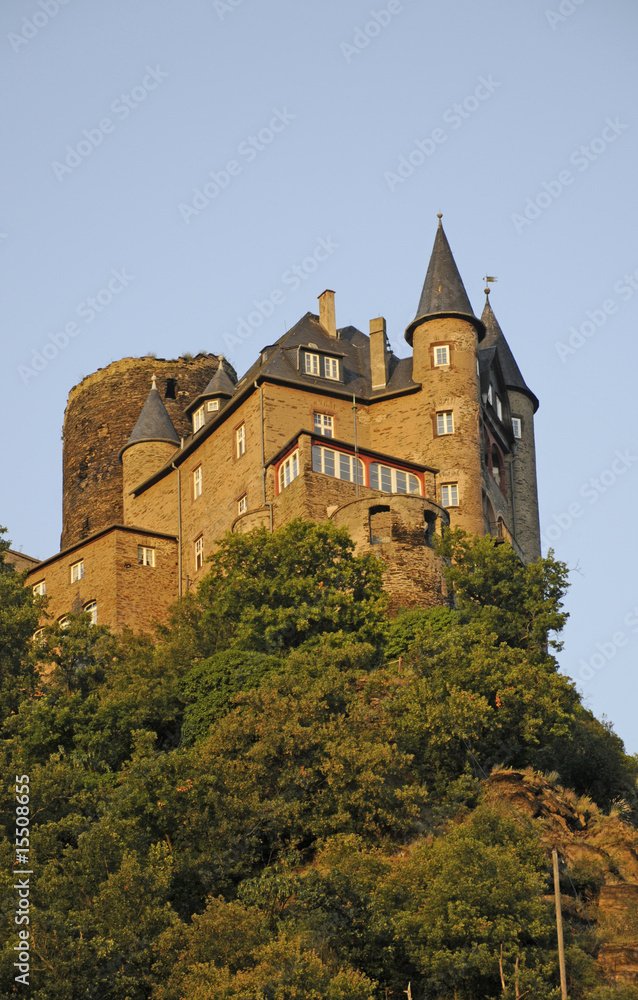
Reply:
x=210, y=685
x=19, y=614
x=274, y=592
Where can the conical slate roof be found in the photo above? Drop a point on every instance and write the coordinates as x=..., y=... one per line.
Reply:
x=221, y=384
x=443, y=290
x=495, y=338
x=154, y=423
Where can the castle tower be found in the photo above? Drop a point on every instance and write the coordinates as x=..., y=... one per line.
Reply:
x=152, y=442
x=444, y=336
x=100, y=414
x=523, y=405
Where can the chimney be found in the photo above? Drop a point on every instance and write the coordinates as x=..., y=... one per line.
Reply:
x=379, y=353
x=327, y=312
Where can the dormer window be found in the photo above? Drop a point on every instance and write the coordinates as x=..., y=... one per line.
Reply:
x=499, y=408
x=320, y=365
x=212, y=405
x=198, y=419
x=490, y=394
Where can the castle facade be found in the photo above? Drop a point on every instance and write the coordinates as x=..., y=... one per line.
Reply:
x=161, y=458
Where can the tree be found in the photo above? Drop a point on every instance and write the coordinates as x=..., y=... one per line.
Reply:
x=19, y=615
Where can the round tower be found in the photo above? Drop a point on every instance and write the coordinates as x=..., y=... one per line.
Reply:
x=101, y=413
x=444, y=337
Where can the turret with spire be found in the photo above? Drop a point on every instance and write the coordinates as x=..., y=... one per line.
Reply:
x=152, y=442
x=445, y=335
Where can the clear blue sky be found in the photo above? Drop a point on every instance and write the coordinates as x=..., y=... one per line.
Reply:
x=520, y=123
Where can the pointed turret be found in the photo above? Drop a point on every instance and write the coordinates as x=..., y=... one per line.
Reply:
x=443, y=290
x=153, y=423
x=495, y=338
x=152, y=442
x=220, y=385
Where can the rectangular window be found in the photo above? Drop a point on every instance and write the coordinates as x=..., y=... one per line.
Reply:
x=450, y=495
x=324, y=425
x=145, y=555
x=516, y=426
x=212, y=404
x=242, y=504
x=445, y=422
x=389, y=480
x=311, y=364
x=199, y=553
x=240, y=439
x=288, y=470
x=198, y=484
x=337, y=463
x=441, y=356
x=490, y=394
x=499, y=408
x=39, y=589
x=331, y=367
x=77, y=571
x=198, y=419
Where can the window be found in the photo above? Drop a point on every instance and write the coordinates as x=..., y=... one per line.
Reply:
x=242, y=504
x=311, y=364
x=380, y=525
x=499, y=408
x=169, y=392
x=197, y=482
x=39, y=589
x=331, y=367
x=91, y=609
x=198, y=419
x=516, y=426
x=288, y=470
x=445, y=422
x=212, y=404
x=324, y=425
x=389, y=480
x=240, y=440
x=63, y=622
x=441, y=356
x=337, y=464
x=77, y=571
x=450, y=495
x=199, y=553
x=38, y=636
x=490, y=394
x=145, y=555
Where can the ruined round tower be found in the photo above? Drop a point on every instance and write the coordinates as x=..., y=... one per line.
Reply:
x=100, y=415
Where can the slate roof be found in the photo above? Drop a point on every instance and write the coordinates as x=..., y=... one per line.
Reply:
x=495, y=339
x=443, y=289
x=154, y=423
x=221, y=384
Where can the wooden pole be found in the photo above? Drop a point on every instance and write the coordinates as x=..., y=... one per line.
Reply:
x=559, y=928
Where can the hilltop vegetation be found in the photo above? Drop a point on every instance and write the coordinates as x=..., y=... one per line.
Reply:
x=286, y=794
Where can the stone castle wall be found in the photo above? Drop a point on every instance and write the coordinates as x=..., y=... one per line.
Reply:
x=100, y=415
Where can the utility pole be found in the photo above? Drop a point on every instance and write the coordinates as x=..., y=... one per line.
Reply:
x=559, y=928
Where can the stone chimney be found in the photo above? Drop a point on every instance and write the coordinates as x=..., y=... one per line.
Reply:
x=327, y=312
x=379, y=353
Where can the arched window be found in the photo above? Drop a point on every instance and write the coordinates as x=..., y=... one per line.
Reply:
x=91, y=609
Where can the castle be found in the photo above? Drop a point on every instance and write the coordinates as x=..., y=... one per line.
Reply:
x=161, y=457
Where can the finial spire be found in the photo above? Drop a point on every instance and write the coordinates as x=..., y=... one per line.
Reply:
x=154, y=385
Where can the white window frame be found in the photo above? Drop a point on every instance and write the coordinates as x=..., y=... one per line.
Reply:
x=38, y=636
x=289, y=470
x=198, y=419
x=212, y=404
x=77, y=571
x=91, y=609
x=444, y=422
x=490, y=394
x=499, y=407
x=450, y=495
x=517, y=428
x=145, y=555
x=441, y=356
x=242, y=504
x=324, y=424
x=339, y=459
x=381, y=478
x=311, y=364
x=240, y=441
x=198, y=482
x=39, y=588
x=199, y=552
x=63, y=621
x=331, y=368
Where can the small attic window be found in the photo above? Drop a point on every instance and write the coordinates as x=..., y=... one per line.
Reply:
x=169, y=392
